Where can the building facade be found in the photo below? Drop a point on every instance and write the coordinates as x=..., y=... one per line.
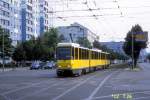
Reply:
x=34, y=18
x=5, y=15
x=15, y=29
x=76, y=30
x=9, y=18
x=24, y=19
x=115, y=46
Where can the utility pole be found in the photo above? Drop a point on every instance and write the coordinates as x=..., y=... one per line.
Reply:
x=133, y=50
x=3, y=51
x=71, y=37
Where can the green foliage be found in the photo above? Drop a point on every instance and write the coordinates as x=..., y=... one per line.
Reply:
x=148, y=57
x=19, y=53
x=8, y=48
x=61, y=38
x=83, y=41
x=137, y=46
x=41, y=48
x=50, y=38
x=98, y=45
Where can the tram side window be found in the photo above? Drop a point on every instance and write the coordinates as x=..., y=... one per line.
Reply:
x=83, y=54
x=108, y=56
x=76, y=53
x=80, y=53
x=102, y=57
x=87, y=54
x=92, y=54
x=99, y=55
x=95, y=55
x=72, y=56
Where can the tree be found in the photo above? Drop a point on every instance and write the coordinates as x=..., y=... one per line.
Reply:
x=51, y=39
x=132, y=47
x=98, y=45
x=83, y=41
x=61, y=38
x=19, y=53
x=40, y=51
x=41, y=48
x=4, y=38
x=148, y=56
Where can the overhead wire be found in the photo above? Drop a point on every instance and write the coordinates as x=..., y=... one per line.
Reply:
x=91, y=13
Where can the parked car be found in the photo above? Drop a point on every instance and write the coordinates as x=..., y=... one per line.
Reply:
x=49, y=65
x=36, y=65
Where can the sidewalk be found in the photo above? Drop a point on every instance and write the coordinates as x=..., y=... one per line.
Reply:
x=11, y=69
x=5, y=70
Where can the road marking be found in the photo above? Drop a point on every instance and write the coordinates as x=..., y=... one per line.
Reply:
x=100, y=85
x=42, y=90
x=140, y=98
x=6, y=98
x=101, y=97
x=69, y=90
x=133, y=93
x=18, y=89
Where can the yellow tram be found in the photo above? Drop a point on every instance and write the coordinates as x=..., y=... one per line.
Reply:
x=74, y=59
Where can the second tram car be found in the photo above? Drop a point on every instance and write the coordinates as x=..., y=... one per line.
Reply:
x=77, y=60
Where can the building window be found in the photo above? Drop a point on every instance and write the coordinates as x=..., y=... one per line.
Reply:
x=29, y=7
x=30, y=1
x=6, y=5
x=4, y=22
x=4, y=13
x=29, y=15
x=46, y=3
x=29, y=29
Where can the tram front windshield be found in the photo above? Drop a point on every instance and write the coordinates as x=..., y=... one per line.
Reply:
x=63, y=53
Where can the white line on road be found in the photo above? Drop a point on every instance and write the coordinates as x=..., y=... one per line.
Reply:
x=101, y=97
x=40, y=91
x=18, y=89
x=5, y=97
x=69, y=90
x=141, y=98
x=133, y=93
x=100, y=85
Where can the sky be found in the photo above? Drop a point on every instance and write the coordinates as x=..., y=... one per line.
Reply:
x=110, y=19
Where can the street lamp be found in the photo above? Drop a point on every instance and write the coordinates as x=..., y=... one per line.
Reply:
x=132, y=50
x=3, y=51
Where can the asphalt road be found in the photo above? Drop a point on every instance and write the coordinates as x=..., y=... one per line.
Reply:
x=109, y=84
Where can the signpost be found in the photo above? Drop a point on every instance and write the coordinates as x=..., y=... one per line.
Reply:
x=138, y=37
x=141, y=36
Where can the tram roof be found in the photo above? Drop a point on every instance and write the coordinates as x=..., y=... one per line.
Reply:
x=106, y=52
x=68, y=44
x=97, y=50
x=78, y=46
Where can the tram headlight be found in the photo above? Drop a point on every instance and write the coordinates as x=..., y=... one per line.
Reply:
x=59, y=66
x=68, y=65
